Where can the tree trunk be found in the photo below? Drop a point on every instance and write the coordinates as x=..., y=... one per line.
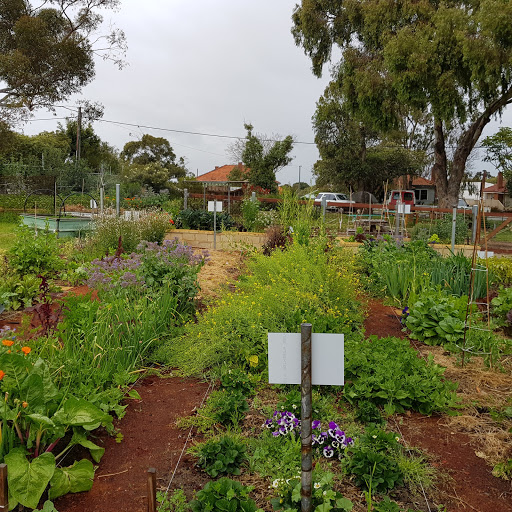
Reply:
x=448, y=187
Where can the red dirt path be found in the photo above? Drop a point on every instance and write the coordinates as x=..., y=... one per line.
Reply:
x=471, y=485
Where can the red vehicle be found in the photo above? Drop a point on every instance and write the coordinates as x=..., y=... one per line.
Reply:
x=402, y=196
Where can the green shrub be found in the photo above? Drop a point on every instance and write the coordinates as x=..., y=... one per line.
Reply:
x=229, y=407
x=222, y=456
x=236, y=379
x=405, y=381
x=150, y=227
x=202, y=219
x=371, y=461
x=35, y=253
x=501, y=268
x=223, y=495
x=443, y=228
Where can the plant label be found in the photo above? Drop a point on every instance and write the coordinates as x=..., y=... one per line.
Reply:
x=327, y=359
x=212, y=208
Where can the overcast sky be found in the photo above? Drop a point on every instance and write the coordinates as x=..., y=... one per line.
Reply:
x=209, y=67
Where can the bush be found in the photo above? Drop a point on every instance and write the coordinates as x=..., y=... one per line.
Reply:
x=443, y=228
x=150, y=227
x=222, y=456
x=201, y=219
x=223, y=495
x=35, y=253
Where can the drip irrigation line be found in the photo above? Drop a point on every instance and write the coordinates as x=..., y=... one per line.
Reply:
x=186, y=441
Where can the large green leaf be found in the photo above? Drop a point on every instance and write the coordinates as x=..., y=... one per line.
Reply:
x=81, y=413
x=28, y=480
x=81, y=439
x=77, y=478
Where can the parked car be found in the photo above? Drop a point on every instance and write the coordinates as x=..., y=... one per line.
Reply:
x=463, y=205
x=402, y=196
x=336, y=201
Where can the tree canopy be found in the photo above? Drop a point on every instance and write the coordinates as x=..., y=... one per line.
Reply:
x=47, y=52
x=152, y=162
x=450, y=60
x=356, y=156
x=264, y=159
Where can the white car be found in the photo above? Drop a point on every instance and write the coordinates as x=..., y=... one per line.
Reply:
x=336, y=201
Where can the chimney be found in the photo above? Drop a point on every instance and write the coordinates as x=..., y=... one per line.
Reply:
x=216, y=167
x=500, y=180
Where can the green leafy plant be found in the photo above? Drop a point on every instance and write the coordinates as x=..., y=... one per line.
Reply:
x=35, y=253
x=223, y=495
x=222, y=456
x=404, y=382
x=201, y=219
x=175, y=502
x=229, y=407
x=370, y=461
x=236, y=379
x=368, y=412
x=323, y=496
x=437, y=318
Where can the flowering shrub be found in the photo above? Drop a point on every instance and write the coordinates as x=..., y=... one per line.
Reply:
x=330, y=443
x=172, y=263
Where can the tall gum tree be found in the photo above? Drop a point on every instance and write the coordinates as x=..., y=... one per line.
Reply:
x=451, y=60
x=47, y=51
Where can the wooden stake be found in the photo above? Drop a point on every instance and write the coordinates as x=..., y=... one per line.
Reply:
x=152, y=490
x=4, y=492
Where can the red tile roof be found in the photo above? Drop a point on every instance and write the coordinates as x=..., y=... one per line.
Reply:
x=422, y=182
x=221, y=173
x=495, y=188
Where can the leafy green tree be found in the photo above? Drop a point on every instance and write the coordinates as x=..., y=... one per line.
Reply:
x=47, y=51
x=451, y=60
x=152, y=162
x=498, y=149
x=93, y=151
x=354, y=155
x=264, y=160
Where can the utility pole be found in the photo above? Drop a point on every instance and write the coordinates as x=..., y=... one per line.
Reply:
x=78, y=134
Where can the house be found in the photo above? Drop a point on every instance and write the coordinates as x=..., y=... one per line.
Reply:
x=219, y=179
x=496, y=195
x=424, y=190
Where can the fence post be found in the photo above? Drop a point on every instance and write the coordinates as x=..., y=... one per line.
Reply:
x=4, y=492
x=454, y=225
x=474, y=210
x=152, y=490
x=306, y=418
x=185, y=198
x=118, y=199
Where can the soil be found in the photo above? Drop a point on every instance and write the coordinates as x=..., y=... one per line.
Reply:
x=150, y=437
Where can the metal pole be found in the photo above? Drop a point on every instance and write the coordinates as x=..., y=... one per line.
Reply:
x=215, y=224
x=152, y=505
x=454, y=225
x=324, y=207
x=397, y=218
x=204, y=196
x=253, y=197
x=185, y=198
x=475, y=216
x=102, y=195
x=118, y=199
x=306, y=419
x=298, y=189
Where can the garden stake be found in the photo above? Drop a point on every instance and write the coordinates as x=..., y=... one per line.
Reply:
x=305, y=417
x=152, y=490
x=4, y=494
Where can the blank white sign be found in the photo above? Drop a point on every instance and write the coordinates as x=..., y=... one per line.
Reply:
x=211, y=206
x=327, y=364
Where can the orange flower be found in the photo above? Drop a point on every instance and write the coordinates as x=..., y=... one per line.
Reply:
x=24, y=405
x=7, y=343
x=2, y=374
x=26, y=350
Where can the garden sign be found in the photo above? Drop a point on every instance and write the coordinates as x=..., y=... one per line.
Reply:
x=305, y=359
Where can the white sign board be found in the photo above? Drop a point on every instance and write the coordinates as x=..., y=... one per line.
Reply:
x=211, y=206
x=284, y=359
x=404, y=208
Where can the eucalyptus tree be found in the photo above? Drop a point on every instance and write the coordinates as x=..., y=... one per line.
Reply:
x=47, y=50
x=450, y=60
